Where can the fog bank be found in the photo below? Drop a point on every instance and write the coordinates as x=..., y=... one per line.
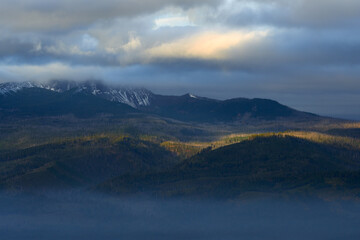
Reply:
x=85, y=216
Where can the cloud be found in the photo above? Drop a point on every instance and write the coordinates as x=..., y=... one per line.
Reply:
x=284, y=13
x=173, y=21
x=219, y=48
x=88, y=43
x=67, y=15
x=45, y=72
x=233, y=34
x=54, y=15
x=207, y=45
x=133, y=43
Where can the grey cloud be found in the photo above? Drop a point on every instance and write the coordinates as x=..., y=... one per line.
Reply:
x=301, y=48
x=281, y=51
x=311, y=53
x=284, y=13
x=13, y=47
x=329, y=91
x=53, y=15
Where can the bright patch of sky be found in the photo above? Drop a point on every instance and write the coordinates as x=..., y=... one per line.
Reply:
x=88, y=43
x=173, y=21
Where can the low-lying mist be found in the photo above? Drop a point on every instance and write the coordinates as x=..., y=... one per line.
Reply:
x=90, y=216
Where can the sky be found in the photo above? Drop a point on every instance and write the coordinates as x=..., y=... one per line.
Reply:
x=303, y=53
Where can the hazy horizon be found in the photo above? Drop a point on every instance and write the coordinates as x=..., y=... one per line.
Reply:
x=69, y=215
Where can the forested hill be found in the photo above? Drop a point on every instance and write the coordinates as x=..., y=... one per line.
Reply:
x=81, y=162
x=279, y=165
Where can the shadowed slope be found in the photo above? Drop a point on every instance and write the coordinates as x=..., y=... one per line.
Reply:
x=263, y=165
x=81, y=162
x=199, y=109
x=42, y=102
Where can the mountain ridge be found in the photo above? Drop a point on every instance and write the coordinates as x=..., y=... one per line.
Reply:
x=133, y=97
x=188, y=107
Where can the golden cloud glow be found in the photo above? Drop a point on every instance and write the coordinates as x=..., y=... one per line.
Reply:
x=207, y=45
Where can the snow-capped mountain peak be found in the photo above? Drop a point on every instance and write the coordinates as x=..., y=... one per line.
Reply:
x=134, y=97
x=12, y=87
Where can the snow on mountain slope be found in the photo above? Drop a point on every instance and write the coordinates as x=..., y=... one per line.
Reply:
x=134, y=97
x=12, y=87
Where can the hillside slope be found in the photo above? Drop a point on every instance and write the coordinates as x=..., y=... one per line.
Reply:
x=79, y=163
x=265, y=165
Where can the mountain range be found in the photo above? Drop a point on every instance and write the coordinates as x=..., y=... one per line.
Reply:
x=91, y=98
x=130, y=141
